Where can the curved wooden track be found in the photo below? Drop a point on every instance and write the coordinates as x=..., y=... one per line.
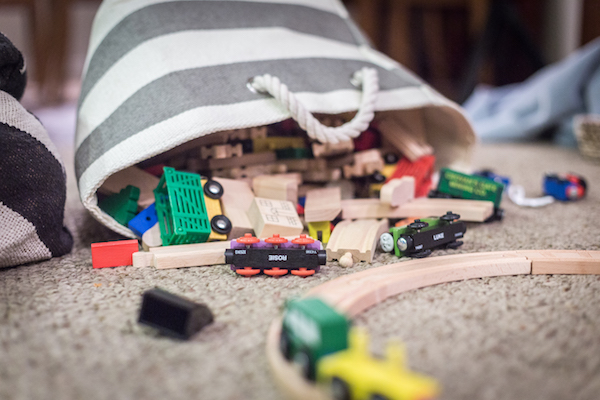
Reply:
x=352, y=294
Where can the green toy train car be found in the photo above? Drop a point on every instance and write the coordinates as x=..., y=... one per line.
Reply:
x=419, y=238
x=311, y=329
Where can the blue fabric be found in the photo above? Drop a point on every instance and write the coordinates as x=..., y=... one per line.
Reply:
x=549, y=98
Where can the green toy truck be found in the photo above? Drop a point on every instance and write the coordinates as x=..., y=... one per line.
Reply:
x=311, y=329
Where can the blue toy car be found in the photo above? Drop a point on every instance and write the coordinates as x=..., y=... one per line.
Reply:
x=565, y=187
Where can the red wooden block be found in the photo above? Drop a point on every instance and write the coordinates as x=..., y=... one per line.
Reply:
x=421, y=169
x=113, y=254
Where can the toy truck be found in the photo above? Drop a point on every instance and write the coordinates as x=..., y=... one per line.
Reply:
x=420, y=237
x=353, y=374
x=310, y=330
x=454, y=184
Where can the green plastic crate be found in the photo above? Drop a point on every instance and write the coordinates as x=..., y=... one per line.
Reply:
x=180, y=207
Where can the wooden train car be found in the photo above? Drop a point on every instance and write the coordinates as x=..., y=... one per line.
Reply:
x=420, y=237
x=275, y=256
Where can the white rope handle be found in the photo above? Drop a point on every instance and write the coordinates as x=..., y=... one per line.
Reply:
x=366, y=77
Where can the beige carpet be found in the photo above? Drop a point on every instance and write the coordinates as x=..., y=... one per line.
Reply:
x=70, y=332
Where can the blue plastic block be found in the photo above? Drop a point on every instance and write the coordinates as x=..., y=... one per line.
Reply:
x=145, y=220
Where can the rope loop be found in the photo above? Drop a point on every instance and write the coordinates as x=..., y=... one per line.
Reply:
x=366, y=78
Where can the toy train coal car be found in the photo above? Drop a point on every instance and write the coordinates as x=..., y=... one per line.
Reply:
x=419, y=238
x=275, y=256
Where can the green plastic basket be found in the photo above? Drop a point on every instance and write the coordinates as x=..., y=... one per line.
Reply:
x=180, y=207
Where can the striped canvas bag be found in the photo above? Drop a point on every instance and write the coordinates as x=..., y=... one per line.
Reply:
x=160, y=73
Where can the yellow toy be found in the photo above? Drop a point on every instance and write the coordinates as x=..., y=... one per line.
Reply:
x=353, y=374
x=219, y=223
x=320, y=231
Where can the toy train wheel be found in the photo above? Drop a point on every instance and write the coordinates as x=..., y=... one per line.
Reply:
x=302, y=360
x=304, y=272
x=276, y=239
x=221, y=224
x=421, y=254
x=213, y=189
x=418, y=224
x=450, y=217
x=247, y=271
x=303, y=240
x=285, y=346
x=248, y=239
x=454, y=245
x=275, y=271
x=339, y=389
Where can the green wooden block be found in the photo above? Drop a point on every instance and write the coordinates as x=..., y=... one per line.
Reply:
x=122, y=206
x=469, y=187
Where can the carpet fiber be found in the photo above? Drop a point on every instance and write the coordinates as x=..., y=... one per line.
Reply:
x=70, y=332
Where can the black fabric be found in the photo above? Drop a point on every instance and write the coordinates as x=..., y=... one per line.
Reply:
x=33, y=184
x=13, y=75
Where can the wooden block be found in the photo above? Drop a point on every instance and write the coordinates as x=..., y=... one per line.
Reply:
x=359, y=238
x=240, y=223
x=322, y=175
x=190, y=255
x=323, y=204
x=405, y=140
x=142, y=259
x=469, y=210
x=277, y=187
x=398, y=191
x=365, y=163
x=274, y=216
x=132, y=176
x=221, y=151
x=332, y=149
x=340, y=161
x=244, y=160
x=236, y=194
x=113, y=254
x=151, y=238
x=252, y=171
x=563, y=261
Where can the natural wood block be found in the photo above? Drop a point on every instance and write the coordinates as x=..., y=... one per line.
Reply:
x=236, y=194
x=322, y=204
x=469, y=210
x=398, y=191
x=240, y=223
x=406, y=140
x=332, y=149
x=142, y=259
x=190, y=255
x=278, y=186
x=359, y=238
x=274, y=216
x=244, y=160
x=365, y=163
x=135, y=176
x=221, y=151
x=322, y=175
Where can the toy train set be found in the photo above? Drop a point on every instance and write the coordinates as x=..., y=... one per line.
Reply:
x=418, y=238
x=275, y=256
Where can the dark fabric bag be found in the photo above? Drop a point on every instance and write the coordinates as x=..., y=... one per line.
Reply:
x=32, y=176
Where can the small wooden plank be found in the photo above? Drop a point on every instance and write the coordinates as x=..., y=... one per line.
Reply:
x=274, y=216
x=190, y=255
x=322, y=204
x=332, y=149
x=278, y=186
x=563, y=261
x=365, y=163
x=359, y=238
x=266, y=157
x=403, y=139
x=142, y=259
x=469, y=210
x=398, y=191
x=236, y=194
x=135, y=176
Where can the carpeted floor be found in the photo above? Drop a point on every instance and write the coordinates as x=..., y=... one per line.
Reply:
x=70, y=332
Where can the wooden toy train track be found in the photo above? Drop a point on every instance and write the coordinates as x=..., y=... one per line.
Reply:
x=352, y=294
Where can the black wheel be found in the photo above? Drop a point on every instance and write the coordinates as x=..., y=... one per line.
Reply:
x=213, y=189
x=434, y=194
x=418, y=224
x=302, y=359
x=421, y=254
x=391, y=158
x=450, y=217
x=378, y=397
x=454, y=245
x=404, y=243
x=339, y=389
x=378, y=177
x=221, y=224
x=284, y=346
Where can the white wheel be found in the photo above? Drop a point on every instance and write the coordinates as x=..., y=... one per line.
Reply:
x=386, y=242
